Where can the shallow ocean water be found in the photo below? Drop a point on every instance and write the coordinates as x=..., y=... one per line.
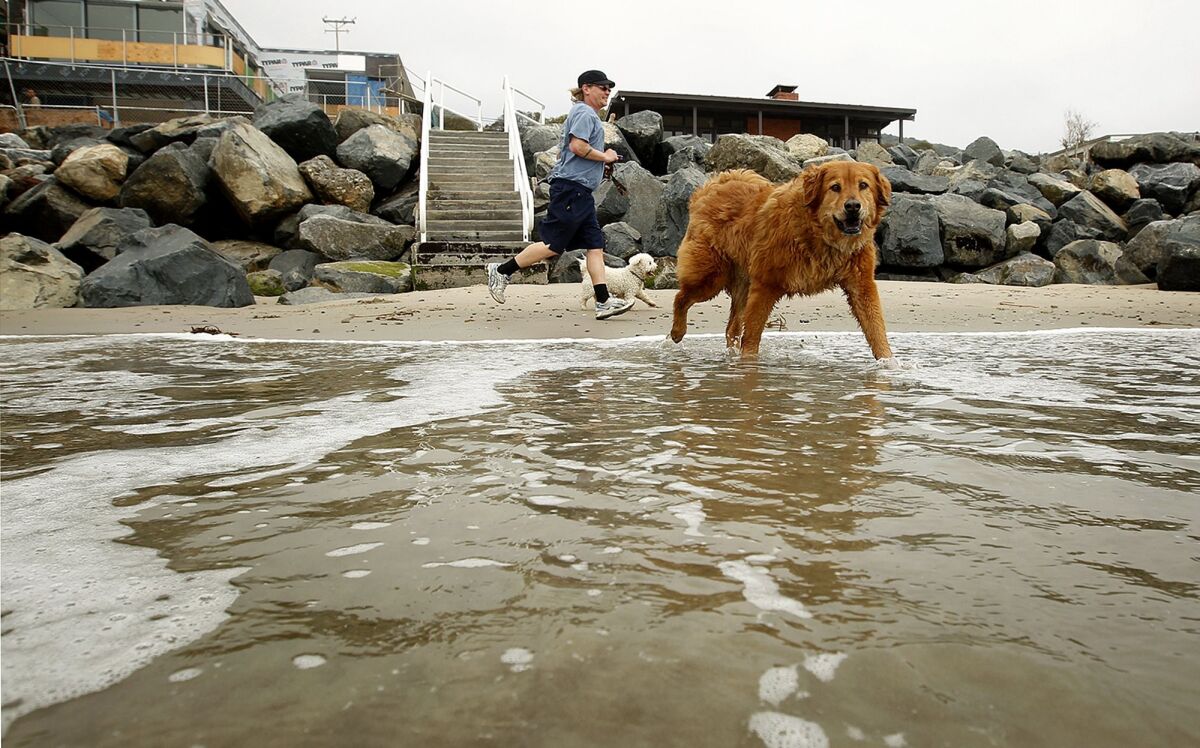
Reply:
x=224, y=542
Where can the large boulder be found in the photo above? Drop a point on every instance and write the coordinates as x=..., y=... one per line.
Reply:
x=902, y=155
x=612, y=203
x=266, y=283
x=295, y=267
x=401, y=206
x=622, y=240
x=972, y=235
x=334, y=185
x=804, y=146
x=643, y=131
x=1098, y=220
x=381, y=153
x=260, y=180
x=46, y=211
x=538, y=138
x=180, y=130
x=873, y=153
x=669, y=146
x=1057, y=191
x=1180, y=270
x=167, y=265
x=248, y=255
x=365, y=276
x=95, y=172
x=1022, y=163
x=93, y=239
x=904, y=180
x=1025, y=269
x=12, y=140
x=340, y=239
x=1095, y=262
x=1116, y=188
x=1021, y=237
x=761, y=153
x=1141, y=214
x=1160, y=238
x=171, y=186
x=1155, y=148
x=644, y=192
x=984, y=149
x=1170, y=184
x=671, y=217
x=909, y=235
x=692, y=155
x=35, y=275
x=298, y=126
x=350, y=121
x=63, y=151
x=615, y=139
x=317, y=295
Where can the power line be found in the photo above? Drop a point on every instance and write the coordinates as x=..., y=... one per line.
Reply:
x=337, y=29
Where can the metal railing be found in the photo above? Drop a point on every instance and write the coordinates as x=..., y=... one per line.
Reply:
x=521, y=182
x=429, y=112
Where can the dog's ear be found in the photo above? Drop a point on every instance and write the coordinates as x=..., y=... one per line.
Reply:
x=883, y=189
x=812, y=180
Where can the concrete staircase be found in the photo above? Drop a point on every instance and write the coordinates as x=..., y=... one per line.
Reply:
x=473, y=213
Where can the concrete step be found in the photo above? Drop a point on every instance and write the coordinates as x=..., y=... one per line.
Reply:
x=467, y=135
x=482, y=158
x=458, y=264
x=464, y=235
x=427, y=250
x=468, y=184
x=465, y=206
x=439, y=214
x=473, y=195
x=473, y=170
x=458, y=225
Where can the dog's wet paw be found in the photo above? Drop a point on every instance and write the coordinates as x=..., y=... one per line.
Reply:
x=892, y=363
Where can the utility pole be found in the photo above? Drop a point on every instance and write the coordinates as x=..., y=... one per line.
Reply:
x=337, y=29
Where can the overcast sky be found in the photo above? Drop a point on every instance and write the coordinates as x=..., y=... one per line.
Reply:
x=1008, y=70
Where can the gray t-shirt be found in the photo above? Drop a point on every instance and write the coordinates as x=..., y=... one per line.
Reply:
x=582, y=122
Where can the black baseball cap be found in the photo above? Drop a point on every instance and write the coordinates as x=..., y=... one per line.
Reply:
x=595, y=77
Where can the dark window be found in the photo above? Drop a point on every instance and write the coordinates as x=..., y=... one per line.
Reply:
x=56, y=17
x=160, y=25
x=110, y=21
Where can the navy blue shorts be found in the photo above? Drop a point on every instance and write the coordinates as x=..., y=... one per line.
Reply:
x=570, y=221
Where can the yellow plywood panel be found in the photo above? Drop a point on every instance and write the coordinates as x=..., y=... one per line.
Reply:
x=99, y=50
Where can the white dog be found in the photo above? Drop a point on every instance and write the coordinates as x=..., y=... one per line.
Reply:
x=622, y=282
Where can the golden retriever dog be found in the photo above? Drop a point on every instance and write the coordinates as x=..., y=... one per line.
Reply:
x=760, y=242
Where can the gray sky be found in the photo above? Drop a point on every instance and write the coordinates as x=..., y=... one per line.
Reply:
x=1008, y=70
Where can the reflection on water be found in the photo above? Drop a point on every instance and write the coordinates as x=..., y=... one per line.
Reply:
x=282, y=543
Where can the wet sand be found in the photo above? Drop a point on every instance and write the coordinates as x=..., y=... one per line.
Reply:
x=545, y=312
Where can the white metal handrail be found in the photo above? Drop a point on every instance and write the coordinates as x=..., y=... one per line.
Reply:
x=441, y=105
x=426, y=122
x=540, y=111
x=520, y=174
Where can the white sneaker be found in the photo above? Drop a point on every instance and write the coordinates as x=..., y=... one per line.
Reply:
x=613, y=307
x=497, y=281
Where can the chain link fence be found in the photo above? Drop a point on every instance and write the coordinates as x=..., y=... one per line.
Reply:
x=42, y=93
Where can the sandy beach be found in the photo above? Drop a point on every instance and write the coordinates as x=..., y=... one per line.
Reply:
x=553, y=311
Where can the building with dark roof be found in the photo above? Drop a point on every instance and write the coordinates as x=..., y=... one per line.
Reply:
x=781, y=114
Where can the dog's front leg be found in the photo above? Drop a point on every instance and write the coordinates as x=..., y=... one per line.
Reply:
x=754, y=318
x=641, y=294
x=863, y=295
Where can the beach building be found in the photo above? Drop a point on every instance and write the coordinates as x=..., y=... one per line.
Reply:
x=780, y=114
x=126, y=61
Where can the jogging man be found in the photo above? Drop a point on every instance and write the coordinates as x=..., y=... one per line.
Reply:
x=570, y=221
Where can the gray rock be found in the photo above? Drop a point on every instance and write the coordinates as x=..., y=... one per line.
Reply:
x=611, y=203
x=121, y=136
x=167, y=265
x=334, y=185
x=12, y=140
x=260, y=180
x=46, y=211
x=873, y=153
x=1062, y=233
x=904, y=180
x=62, y=151
x=1023, y=270
x=1021, y=163
x=902, y=155
x=401, y=206
x=1057, y=191
x=672, y=145
x=382, y=154
x=664, y=275
x=171, y=186
x=1171, y=184
x=317, y=295
x=96, y=172
x=644, y=193
x=643, y=131
x=350, y=121
x=1000, y=199
x=21, y=156
x=1086, y=211
x=365, y=277
x=249, y=256
x=972, y=235
x=804, y=146
x=622, y=240
x=1095, y=262
x=984, y=149
x=93, y=239
x=1142, y=213
x=1022, y=237
x=1024, y=212
x=909, y=235
x=1179, y=270
x=1116, y=188
x=761, y=153
x=35, y=275
x=671, y=216
x=1160, y=238
x=536, y=139
x=338, y=239
x=298, y=126
x=180, y=130
x=689, y=156
x=615, y=139
x=817, y=161
x=1156, y=148
x=295, y=267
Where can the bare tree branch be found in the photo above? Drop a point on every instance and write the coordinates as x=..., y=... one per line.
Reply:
x=1078, y=129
